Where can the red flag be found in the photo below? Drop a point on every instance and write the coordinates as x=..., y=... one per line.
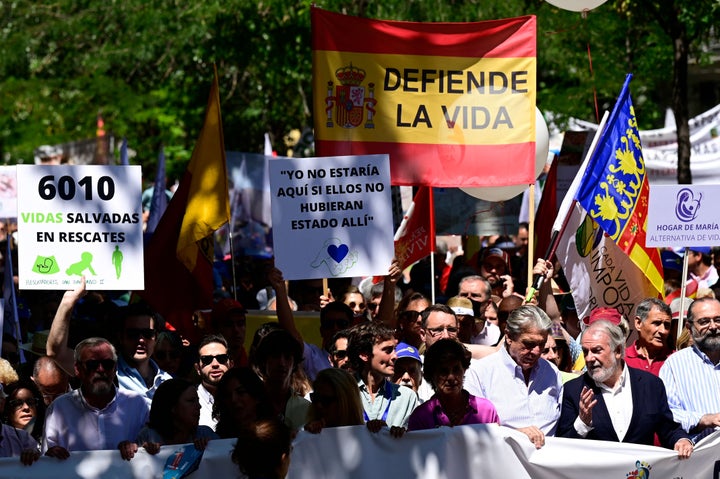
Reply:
x=546, y=212
x=178, y=259
x=415, y=238
x=452, y=103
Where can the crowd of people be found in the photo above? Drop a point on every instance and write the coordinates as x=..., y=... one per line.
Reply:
x=389, y=359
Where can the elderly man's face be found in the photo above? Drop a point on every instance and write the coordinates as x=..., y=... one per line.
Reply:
x=654, y=330
x=705, y=328
x=603, y=363
x=527, y=347
x=96, y=370
x=408, y=372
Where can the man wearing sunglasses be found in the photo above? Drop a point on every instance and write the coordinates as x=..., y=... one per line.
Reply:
x=136, y=371
x=97, y=415
x=213, y=362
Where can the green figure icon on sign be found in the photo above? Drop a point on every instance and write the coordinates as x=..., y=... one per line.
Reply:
x=117, y=259
x=45, y=265
x=85, y=263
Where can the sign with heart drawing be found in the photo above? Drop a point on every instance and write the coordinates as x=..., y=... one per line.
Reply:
x=332, y=216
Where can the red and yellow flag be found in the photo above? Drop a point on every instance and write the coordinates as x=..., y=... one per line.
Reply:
x=453, y=104
x=178, y=258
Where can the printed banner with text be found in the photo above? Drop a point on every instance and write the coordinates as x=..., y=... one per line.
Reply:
x=446, y=101
x=332, y=216
x=80, y=220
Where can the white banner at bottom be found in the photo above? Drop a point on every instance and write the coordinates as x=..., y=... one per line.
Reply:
x=447, y=453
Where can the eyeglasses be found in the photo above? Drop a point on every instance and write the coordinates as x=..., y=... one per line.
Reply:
x=702, y=322
x=322, y=399
x=93, y=364
x=136, y=333
x=410, y=315
x=18, y=403
x=553, y=349
x=451, y=330
x=340, y=354
x=334, y=323
x=373, y=306
x=163, y=355
x=353, y=305
x=207, y=360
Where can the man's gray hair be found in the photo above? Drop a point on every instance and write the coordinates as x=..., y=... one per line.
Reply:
x=646, y=305
x=476, y=277
x=615, y=333
x=92, y=343
x=525, y=318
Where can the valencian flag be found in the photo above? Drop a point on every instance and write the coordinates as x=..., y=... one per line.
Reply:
x=614, y=190
x=178, y=260
x=415, y=238
x=453, y=104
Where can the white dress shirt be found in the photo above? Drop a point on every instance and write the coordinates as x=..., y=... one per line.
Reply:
x=619, y=403
x=498, y=377
x=77, y=426
x=206, y=406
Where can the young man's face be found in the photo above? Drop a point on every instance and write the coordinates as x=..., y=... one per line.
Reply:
x=213, y=363
x=137, y=339
x=384, y=357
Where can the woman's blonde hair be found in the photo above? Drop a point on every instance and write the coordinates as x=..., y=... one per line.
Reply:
x=348, y=397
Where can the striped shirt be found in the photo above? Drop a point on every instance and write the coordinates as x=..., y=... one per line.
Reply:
x=498, y=378
x=693, y=386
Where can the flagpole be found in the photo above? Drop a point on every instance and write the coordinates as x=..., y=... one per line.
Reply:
x=531, y=232
x=568, y=204
x=432, y=276
x=683, y=287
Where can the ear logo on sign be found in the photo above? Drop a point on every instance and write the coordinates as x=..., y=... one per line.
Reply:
x=338, y=253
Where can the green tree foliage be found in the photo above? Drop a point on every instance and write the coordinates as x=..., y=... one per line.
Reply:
x=147, y=66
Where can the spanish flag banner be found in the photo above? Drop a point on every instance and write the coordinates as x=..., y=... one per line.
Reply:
x=453, y=104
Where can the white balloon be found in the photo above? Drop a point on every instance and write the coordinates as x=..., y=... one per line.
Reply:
x=576, y=5
x=542, y=146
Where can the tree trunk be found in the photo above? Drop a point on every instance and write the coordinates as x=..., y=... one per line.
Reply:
x=680, y=106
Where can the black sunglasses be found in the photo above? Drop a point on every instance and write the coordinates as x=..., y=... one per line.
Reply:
x=93, y=364
x=18, y=403
x=207, y=359
x=135, y=333
x=341, y=354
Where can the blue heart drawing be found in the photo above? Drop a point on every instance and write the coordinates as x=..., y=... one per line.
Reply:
x=338, y=252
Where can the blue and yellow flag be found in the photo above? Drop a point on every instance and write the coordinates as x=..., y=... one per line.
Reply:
x=614, y=190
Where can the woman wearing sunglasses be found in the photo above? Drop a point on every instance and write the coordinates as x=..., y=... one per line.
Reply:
x=24, y=408
x=335, y=401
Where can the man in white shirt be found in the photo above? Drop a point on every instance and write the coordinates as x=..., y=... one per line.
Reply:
x=97, y=415
x=614, y=402
x=213, y=362
x=525, y=389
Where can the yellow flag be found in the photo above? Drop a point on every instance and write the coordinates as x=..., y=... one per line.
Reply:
x=208, y=204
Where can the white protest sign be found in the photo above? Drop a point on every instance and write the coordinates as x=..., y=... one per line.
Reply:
x=76, y=221
x=683, y=215
x=332, y=216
